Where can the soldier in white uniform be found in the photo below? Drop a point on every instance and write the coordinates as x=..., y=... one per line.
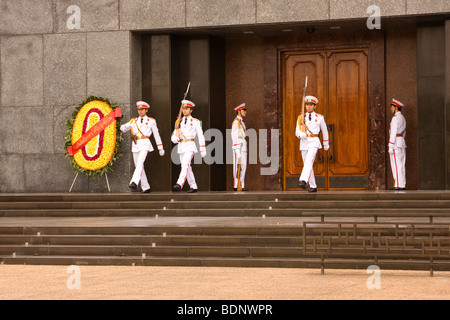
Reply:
x=310, y=142
x=240, y=151
x=397, y=145
x=185, y=138
x=142, y=128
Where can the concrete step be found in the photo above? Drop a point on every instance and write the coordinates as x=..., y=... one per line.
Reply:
x=213, y=204
x=261, y=229
x=225, y=204
x=232, y=196
x=229, y=212
x=173, y=240
x=163, y=261
x=315, y=263
x=169, y=251
x=156, y=231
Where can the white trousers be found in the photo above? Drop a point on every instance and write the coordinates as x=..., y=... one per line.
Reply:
x=186, y=172
x=309, y=156
x=243, y=168
x=139, y=172
x=398, y=161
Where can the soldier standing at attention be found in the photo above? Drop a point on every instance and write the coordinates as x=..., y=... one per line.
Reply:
x=142, y=128
x=397, y=145
x=310, y=142
x=238, y=135
x=184, y=136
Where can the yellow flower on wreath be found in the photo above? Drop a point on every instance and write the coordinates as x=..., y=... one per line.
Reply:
x=98, y=154
x=94, y=146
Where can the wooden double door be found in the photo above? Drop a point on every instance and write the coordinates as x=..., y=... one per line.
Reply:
x=339, y=79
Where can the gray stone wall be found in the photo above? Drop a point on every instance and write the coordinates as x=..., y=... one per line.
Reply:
x=43, y=77
x=160, y=14
x=46, y=70
x=25, y=17
x=49, y=64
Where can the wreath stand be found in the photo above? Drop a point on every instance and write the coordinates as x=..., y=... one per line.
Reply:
x=107, y=182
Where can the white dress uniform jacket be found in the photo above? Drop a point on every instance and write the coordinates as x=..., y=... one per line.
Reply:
x=314, y=126
x=397, y=131
x=142, y=127
x=147, y=127
x=238, y=134
x=189, y=129
x=184, y=137
x=397, y=152
x=240, y=149
x=310, y=144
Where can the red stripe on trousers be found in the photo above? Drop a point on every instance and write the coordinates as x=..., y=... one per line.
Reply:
x=187, y=170
x=396, y=169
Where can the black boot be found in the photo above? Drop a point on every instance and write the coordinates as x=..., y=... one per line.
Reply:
x=132, y=186
x=302, y=184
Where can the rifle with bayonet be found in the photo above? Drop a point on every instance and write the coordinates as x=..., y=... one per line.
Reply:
x=178, y=123
x=302, y=124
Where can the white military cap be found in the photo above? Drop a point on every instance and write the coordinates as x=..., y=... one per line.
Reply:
x=311, y=99
x=142, y=104
x=397, y=103
x=240, y=107
x=187, y=103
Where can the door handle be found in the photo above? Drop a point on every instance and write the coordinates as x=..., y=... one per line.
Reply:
x=331, y=143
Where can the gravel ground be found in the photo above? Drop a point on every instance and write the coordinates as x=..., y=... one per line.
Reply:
x=19, y=282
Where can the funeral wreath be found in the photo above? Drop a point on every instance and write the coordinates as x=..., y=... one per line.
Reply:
x=92, y=141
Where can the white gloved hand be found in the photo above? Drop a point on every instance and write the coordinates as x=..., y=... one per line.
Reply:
x=326, y=147
x=161, y=152
x=238, y=153
x=391, y=150
x=203, y=153
x=302, y=135
x=175, y=139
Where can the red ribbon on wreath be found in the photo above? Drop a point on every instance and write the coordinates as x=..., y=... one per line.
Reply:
x=98, y=128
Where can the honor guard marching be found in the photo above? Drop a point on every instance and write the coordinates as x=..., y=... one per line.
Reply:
x=142, y=128
x=307, y=130
x=397, y=145
x=186, y=129
x=240, y=151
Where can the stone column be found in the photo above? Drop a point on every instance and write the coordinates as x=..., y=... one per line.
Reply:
x=201, y=60
x=447, y=101
x=169, y=63
x=431, y=72
x=156, y=90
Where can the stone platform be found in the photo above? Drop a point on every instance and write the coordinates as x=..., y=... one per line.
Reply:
x=220, y=229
